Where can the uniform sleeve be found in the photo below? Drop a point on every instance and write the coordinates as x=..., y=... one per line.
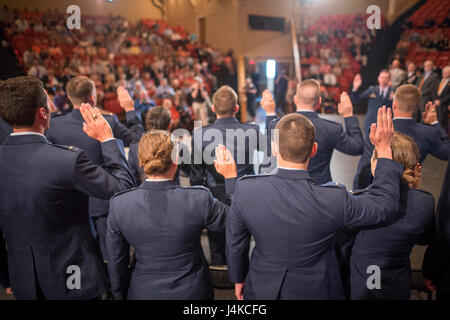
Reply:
x=437, y=257
x=197, y=174
x=103, y=182
x=133, y=162
x=441, y=143
x=428, y=210
x=270, y=125
x=350, y=141
x=237, y=244
x=216, y=214
x=363, y=177
x=130, y=133
x=4, y=275
x=381, y=203
x=356, y=96
x=119, y=258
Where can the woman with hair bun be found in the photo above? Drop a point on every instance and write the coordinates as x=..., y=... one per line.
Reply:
x=388, y=247
x=164, y=222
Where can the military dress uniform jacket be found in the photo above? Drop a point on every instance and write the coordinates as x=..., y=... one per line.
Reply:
x=68, y=130
x=330, y=135
x=293, y=222
x=436, y=264
x=389, y=247
x=5, y=130
x=44, y=215
x=374, y=101
x=163, y=222
x=430, y=140
x=242, y=148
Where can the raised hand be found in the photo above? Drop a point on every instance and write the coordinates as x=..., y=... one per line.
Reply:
x=239, y=290
x=357, y=81
x=94, y=125
x=125, y=100
x=345, y=107
x=429, y=115
x=382, y=132
x=268, y=102
x=224, y=162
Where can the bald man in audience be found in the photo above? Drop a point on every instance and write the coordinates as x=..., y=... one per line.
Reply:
x=329, y=135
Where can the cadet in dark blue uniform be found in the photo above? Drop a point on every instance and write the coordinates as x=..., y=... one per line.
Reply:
x=68, y=130
x=294, y=221
x=241, y=139
x=44, y=198
x=429, y=137
x=329, y=135
x=376, y=97
x=389, y=246
x=163, y=222
x=5, y=130
x=158, y=118
x=436, y=264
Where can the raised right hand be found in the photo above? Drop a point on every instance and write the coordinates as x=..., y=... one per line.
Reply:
x=268, y=102
x=357, y=81
x=94, y=125
x=382, y=132
x=239, y=290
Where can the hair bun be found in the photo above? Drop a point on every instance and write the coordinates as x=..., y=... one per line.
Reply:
x=410, y=178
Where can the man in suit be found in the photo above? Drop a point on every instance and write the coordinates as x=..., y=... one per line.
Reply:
x=5, y=130
x=411, y=74
x=441, y=97
x=436, y=263
x=241, y=139
x=44, y=197
x=376, y=96
x=329, y=135
x=294, y=220
x=68, y=130
x=429, y=136
x=426, y=84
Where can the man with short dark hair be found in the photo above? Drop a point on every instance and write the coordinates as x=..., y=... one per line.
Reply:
x=294, y=221
x=376, y=96
x=429, y=136
x=68, y=130
x=242, y=139
x=44, y=196
x=329, y=135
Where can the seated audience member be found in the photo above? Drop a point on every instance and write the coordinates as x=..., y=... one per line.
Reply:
x=429, y=136
x=291, y=258
x=163, y=222
x=164, y=90
x=48, y=231
x=330, y=135
x=389, y=246
x=157, y=118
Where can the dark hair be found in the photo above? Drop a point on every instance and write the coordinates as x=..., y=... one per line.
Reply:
x=296, y=137
x=158, y=118
x=225, y=100
x=20, y=98
x=80, y=90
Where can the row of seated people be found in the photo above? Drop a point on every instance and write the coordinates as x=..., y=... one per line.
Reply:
x=163, y=222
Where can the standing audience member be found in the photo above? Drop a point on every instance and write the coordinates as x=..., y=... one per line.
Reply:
x=441, y=97
x=426, y=83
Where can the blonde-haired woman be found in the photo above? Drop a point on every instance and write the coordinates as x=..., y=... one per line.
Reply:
x=388, y=247
x=164, y=223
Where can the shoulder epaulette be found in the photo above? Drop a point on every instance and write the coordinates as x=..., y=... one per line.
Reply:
x=253, y=176
x=122, y=192
x=332, y=184
x=70, y=148
x=359, y=191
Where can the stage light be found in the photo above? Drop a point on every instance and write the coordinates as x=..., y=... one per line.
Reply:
x=271, y=68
